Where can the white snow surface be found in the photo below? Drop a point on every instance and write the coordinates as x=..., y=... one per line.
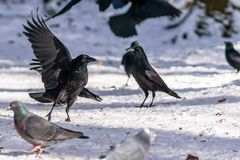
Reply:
x=196, y=69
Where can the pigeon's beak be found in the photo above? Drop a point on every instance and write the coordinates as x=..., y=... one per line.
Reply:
x=90, y=59
x=129, y=49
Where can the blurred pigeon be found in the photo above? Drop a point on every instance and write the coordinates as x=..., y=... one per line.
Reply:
x=124, y=25
x=132, y=148
x=128, y=63
x=146, y=77
x=232, y=56
x=63, y=77
x=38, y=131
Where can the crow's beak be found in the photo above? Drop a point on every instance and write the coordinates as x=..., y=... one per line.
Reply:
x=129, y=49
x=90, y=59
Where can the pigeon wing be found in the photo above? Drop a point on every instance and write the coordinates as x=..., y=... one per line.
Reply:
x=40, y=129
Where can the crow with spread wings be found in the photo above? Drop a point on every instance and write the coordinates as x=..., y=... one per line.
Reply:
x=64, y=78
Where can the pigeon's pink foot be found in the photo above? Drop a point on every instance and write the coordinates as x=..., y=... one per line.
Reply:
x=38, y=149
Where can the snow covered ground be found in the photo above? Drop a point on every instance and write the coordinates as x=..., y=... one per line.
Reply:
x=202, y=124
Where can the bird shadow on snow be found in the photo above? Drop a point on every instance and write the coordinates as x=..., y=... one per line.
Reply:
x=209, y=100
x=168, y=145
x=20, y=90
x=182, y=63
x=112, y=91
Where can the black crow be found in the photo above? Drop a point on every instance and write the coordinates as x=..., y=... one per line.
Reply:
x=63, y=77
x=36, y=65
x=38, y=131
x=128, y=63
x=232, y=56
x=146, y=77
x=124, y=25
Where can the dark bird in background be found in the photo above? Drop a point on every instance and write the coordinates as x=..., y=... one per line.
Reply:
x=232, y=56
x=132, y=148
x=123, y=25
x=146, y=77
x=63, y=77
x=67, y=7
x=38, y=131
x=128, y=63
x=39, y=96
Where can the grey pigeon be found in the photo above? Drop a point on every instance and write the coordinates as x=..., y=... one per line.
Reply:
x=38, y=131
x=232, y=56
x=132, y=148
x=146, y=77
x=64, y=78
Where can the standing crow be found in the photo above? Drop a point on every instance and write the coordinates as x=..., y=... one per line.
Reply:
x=123, y=25
x=63, y=77
x=146, y=77
x=128, y=63
x=232, y=56
x=38, y=131
x=132, y=148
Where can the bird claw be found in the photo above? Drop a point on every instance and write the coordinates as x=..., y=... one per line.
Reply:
x=37, y=149
x=49, y=116
x=67, y=120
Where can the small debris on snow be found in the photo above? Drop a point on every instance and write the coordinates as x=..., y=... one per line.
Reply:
x=222, y=100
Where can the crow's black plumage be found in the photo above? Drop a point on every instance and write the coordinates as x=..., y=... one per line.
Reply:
x=43, y=98
x=146, y=77
x=128, y=63
x=63, y=77
x=124, y=25
x=232, y=56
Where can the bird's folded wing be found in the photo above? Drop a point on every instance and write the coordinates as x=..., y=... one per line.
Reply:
x=154, y=77
x=40, y=129
x=235, y=57
x=49, y=51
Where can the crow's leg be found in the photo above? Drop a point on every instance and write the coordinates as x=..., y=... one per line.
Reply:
x=49, y=115
x=238, y=70
x=146, y=95
x=127, y=81
x=69, y=104
x=153, y=96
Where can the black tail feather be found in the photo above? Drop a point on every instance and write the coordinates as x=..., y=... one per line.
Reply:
x=172, y=93
x=39, y=97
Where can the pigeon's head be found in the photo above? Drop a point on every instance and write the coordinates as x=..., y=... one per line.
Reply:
x=83, y=59
x=18, y=107
x=228, y=45
x=147, y=135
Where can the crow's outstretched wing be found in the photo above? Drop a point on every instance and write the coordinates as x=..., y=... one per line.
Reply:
x=51, y=53
x=157, y=8
x=68, y=6
x=123, y=25
x=104, y=4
